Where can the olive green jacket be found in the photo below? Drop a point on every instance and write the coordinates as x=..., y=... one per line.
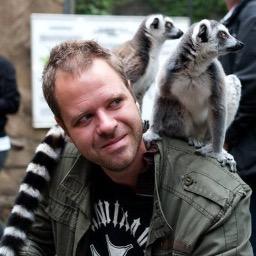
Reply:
x=199, y=208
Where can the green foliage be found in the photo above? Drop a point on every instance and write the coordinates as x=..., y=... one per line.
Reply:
x=96, y=7
x=197, y=9
x=210, y=9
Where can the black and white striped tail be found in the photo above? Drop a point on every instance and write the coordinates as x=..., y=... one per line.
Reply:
x=37, y=176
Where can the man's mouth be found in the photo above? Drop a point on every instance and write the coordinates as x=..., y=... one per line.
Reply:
x=114, y=142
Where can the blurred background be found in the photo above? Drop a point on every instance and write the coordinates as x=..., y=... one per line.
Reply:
x=15, y=45
x=194, y=9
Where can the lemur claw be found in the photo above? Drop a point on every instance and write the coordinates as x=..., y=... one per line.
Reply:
x=224, y=158
x=195, y=142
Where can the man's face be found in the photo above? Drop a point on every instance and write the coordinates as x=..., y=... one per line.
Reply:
x=100, y=115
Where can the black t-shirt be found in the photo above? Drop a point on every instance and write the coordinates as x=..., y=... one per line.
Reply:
x=120, y=216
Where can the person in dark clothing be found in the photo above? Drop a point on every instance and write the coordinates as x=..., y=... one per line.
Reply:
x=9, y=103
x=241, y=136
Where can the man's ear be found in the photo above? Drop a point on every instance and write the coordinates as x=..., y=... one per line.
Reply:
x=130, y=87
x=62, y=125
x=133, y=94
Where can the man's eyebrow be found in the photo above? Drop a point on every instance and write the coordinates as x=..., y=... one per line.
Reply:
x=117, y=95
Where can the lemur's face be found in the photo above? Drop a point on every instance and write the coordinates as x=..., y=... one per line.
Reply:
x=215, y=37
x=100, y=116
x=226, y=42
x=162, y=28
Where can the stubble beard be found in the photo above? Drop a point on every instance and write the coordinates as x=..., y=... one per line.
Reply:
x=120, y=166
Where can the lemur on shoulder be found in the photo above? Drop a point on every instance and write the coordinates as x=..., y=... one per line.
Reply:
x=195, y=100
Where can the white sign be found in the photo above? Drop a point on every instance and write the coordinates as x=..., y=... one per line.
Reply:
x=48, y=30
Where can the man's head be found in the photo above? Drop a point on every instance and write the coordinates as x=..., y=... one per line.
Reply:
x=87, y=90
x=74, y=57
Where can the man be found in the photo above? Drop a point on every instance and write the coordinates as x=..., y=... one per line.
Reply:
x=241, y=136
x=112, y=195
x=9, y=104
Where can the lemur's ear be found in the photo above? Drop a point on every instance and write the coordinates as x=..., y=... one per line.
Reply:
x=155, y=23
x=203, y=33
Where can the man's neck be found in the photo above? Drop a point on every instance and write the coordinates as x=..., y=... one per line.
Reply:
x=129, y=176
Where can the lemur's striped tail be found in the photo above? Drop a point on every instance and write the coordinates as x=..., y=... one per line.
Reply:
x=37, y=176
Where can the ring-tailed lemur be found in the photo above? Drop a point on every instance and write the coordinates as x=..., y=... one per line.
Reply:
x=191, y=101
x=140, y=54
x=31, y=190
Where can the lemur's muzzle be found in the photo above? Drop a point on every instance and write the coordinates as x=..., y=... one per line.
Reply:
x=239, y=45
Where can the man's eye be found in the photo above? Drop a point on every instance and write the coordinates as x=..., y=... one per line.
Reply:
x=223, y=35
x=85, y=119
x=116, y=102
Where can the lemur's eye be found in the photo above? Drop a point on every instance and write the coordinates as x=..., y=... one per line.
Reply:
x=223, y=35
x=168, y=24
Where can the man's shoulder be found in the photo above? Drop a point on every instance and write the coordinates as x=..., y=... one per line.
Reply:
x=68, y=159
x=197, y=179
x=70, y=151
x=183, y=159
x=198, y=197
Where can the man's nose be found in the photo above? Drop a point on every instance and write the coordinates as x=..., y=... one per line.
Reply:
x=106, y=123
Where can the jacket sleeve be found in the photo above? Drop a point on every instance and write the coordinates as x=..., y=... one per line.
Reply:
x=230, y=235
x=9, y=95
x=40, y=239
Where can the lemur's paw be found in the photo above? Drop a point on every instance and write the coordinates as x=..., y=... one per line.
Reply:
x=224, y=158
x=228, y=160
x=149, y=136
x=195, y=142
x=205, y=150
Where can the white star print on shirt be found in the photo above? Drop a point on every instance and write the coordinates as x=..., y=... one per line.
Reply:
x=113, y=250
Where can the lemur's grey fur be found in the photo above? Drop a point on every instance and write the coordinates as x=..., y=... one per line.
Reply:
x=140, y=54
x=191, y=101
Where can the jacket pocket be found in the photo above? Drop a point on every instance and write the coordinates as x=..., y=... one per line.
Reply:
x=206, y=194
x=204, y=186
